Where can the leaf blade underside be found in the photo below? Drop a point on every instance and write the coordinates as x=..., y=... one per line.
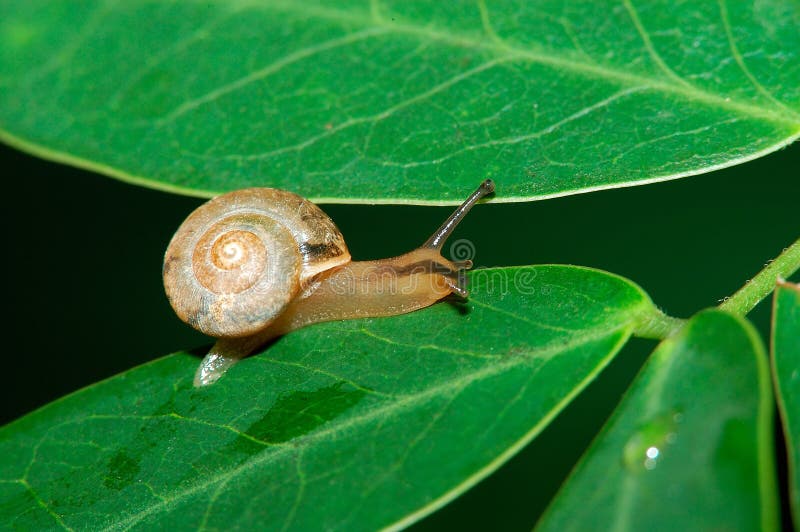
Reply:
x=397, y=102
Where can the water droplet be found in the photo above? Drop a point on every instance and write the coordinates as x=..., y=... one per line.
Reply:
x=646, y=448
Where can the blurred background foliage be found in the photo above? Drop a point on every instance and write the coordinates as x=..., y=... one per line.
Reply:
x=84, y=271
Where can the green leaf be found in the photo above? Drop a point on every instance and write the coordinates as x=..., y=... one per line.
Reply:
x=355, y=424
x=394, y=101
x=786, y=369
x=689, y=448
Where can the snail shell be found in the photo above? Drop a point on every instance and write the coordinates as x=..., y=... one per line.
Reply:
x=239, y=259
x=258, y=263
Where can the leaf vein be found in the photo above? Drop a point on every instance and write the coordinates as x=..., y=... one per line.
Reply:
x=386, y=113
x=651, y=50
x=334, y=376
x=723, y=9
x=605, y=102
x=46, y=507
x=268, y=70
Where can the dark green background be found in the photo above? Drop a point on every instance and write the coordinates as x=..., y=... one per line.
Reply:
x=84, y=253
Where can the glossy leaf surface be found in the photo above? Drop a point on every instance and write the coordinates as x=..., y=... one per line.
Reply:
x=786, y=370
x=343, y=425
x=395, y=101
x=691, y=445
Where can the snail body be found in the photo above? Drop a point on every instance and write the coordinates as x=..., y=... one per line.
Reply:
x=257, y=263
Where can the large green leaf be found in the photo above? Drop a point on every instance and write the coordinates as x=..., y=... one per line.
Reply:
x=348, y=425
x=395, y=101
x=786, y=368
x=691, y=445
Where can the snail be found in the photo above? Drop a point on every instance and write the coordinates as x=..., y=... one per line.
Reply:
x=254, y=264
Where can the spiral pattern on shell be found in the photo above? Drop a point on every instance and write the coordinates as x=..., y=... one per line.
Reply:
x=238, y=260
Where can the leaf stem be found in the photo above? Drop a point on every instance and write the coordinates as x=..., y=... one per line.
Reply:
x=763, y=283
x=657, y=325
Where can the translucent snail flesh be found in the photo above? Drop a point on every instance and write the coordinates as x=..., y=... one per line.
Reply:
x=254, y=264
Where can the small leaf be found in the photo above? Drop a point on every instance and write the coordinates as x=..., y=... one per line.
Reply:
x=689, y=448
x=388, y=101
x=356, y=424
x=786, y=369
